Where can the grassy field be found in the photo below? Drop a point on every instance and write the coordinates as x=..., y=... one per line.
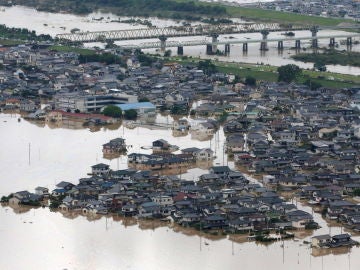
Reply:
x=10, y=42
x=81, y=51
x=332, y=57
x=257, y=14
x=281, y=17
x=269, y=73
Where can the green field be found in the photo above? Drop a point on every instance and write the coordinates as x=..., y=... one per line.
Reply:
x=281, y=17
x=269, y=73
x=332, y=57
x=10, y=42
x=257, y=14
x=81, y=51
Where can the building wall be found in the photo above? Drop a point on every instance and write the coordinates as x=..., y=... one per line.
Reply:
x=90, y=103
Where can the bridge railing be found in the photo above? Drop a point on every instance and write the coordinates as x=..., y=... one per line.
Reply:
x=175, y=31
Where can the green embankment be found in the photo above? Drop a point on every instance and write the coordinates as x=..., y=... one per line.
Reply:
x=177, y=9
x=269, y=73
x=81, y=51
x=10, y=42
x=281, y=17
x=264, y=15
x=331, y=57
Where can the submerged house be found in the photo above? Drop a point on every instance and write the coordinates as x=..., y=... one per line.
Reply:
x=320, y=240
x=181, y=124
x=199, y=154
x=162, y=145
x=114, y=146
x=24, y=197
x=100, y=169
x=327, y=241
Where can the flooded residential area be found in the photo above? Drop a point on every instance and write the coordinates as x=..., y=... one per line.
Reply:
x=125, y=242
x=118, y=158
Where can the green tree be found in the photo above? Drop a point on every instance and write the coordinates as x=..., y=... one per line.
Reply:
x=167, y=53
x=144, y=99
x=207, y=66
x=112, y=111
x=288, y=73
x=237, y=79
x=313, y=84
x=251, y=81
x=320, y=66
x=130, y=114
x=145, y=60
x=110, y=44
x=356, y=192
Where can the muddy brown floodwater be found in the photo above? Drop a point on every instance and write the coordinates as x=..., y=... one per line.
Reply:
x=40, y=239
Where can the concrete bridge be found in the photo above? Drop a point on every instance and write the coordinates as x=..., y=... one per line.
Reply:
x=211, y=46
x=207, y=30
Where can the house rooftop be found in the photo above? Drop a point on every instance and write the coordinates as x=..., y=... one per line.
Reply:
x=322, y=237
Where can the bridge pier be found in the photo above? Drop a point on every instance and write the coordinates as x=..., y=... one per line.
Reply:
x=180, y=50
x=245, y=47
x=349, y=41
x=163, y=43
x=280, y=45
x=214, y=39
x=298, y=44
x=332, y=42
x=263, y=44
x=314, y=40
x=209, y=50
x=227, y=49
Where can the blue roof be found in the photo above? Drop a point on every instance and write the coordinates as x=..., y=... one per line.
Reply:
x=134, y=106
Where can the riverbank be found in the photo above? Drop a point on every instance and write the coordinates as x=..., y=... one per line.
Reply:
x=330, y=57
x=262, y=15
x=178, y=9
x=159, y=8
x=12, y=33
x=269, y=73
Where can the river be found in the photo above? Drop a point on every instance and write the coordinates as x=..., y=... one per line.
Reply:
x=58, y=23
x=40, y=239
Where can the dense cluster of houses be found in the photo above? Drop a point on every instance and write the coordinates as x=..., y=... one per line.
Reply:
x=221, y=199
x=29, y=72
x=299, y=140
x=305, y=142
x=327, y=8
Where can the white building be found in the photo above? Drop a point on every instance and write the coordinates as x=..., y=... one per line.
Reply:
x=90, y=103
x=163, y=200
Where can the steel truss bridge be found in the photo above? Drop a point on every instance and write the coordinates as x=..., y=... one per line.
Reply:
x=177, y=31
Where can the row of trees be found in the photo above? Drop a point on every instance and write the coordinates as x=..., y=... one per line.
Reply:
x=21, y=34
x=107, y=58
x=161, y=5
x=163, y=8
x=116, y=112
